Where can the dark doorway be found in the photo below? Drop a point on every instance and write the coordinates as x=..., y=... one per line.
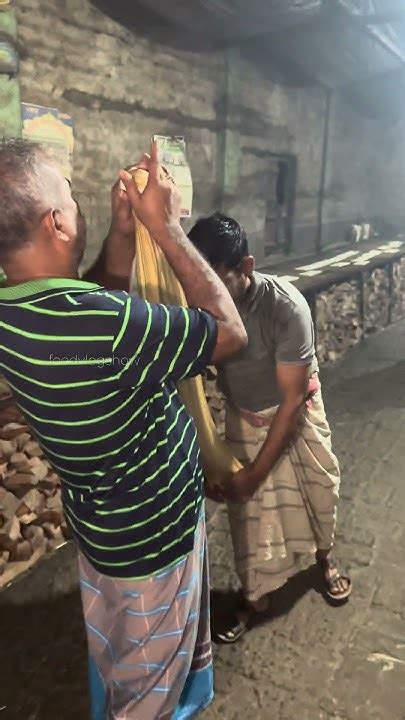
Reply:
x=278, y=232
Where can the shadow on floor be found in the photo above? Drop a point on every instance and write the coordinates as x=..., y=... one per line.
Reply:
x=224, y=602
x=43, y=660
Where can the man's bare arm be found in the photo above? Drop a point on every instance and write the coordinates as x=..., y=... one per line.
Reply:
x=293, y=384
x=113, y=267
x=158, y=208
x=292, y=381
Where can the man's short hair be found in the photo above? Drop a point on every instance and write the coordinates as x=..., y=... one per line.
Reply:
x=221, y=240
x=27, y=182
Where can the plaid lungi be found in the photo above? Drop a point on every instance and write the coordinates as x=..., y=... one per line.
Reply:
x=149, y=640
x=293, y=513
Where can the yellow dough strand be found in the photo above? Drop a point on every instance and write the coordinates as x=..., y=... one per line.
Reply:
x=154, y=280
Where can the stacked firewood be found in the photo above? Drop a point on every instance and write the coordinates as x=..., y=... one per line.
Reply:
x=398, y=290
x=338, y=320
x=376, y=300
x=215, y=399
x=31, y=518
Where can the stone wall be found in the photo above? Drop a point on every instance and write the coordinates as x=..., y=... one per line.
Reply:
x=353, y=167
x=121, y=88
x=10, y=114
x=391, y=176
x=287, y=120
x=274, y=119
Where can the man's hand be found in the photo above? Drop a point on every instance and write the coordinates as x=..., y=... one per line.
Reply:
x=159, y=206
x=122, y=217
x=114, y=263
x=213, y=493
x=293, y=385
x=242, y=485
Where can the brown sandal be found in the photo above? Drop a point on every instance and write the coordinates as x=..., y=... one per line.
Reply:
x=331, y=578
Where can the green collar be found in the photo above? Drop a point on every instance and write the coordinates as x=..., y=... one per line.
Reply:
x=33, y=287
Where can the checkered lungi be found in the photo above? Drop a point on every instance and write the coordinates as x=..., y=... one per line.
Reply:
x=149, y=640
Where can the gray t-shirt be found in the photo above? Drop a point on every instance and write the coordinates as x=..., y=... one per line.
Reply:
x=279, y=325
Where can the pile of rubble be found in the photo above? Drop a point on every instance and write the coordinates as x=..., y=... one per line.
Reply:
x=31, y=518
x=338, y=320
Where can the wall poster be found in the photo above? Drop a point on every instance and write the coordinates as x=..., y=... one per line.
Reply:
x=52, y=128
x=173, y=157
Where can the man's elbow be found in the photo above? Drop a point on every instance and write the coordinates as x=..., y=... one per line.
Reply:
x=238, y=339
x=232, y=339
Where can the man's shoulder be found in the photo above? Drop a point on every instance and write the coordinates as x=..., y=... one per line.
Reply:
x=102, y=299
x=285, y=298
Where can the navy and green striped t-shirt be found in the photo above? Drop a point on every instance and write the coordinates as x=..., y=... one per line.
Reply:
x=94, y=373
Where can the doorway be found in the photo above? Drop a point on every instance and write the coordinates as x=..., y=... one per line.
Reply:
x=278, y=230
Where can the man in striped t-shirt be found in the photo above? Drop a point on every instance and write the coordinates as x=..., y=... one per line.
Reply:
x=94, y=372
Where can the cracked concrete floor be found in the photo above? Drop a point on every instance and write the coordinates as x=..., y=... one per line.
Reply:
x=308, y=661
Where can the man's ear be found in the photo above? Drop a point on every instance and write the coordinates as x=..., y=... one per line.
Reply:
x=248, y=265
x=53, y=221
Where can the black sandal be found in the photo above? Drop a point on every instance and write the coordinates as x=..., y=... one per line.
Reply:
x=241, y=620
x=236, y=628
x=331, y=582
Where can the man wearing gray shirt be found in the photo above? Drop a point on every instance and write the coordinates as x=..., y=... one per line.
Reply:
x=282, y=504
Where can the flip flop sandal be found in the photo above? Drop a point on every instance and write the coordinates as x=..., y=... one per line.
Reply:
x=235, y=630
x=332, y=582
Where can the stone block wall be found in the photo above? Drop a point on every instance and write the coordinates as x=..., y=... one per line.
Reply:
x=121, y=87
x=10, y=115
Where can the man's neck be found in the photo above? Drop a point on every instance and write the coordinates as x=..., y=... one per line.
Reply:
x=17, y=276
x=248, y=285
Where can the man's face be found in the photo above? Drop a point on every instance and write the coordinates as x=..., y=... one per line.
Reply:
x=234, y=280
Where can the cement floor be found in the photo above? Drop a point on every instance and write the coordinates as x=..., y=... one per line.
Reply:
x=308, y=661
